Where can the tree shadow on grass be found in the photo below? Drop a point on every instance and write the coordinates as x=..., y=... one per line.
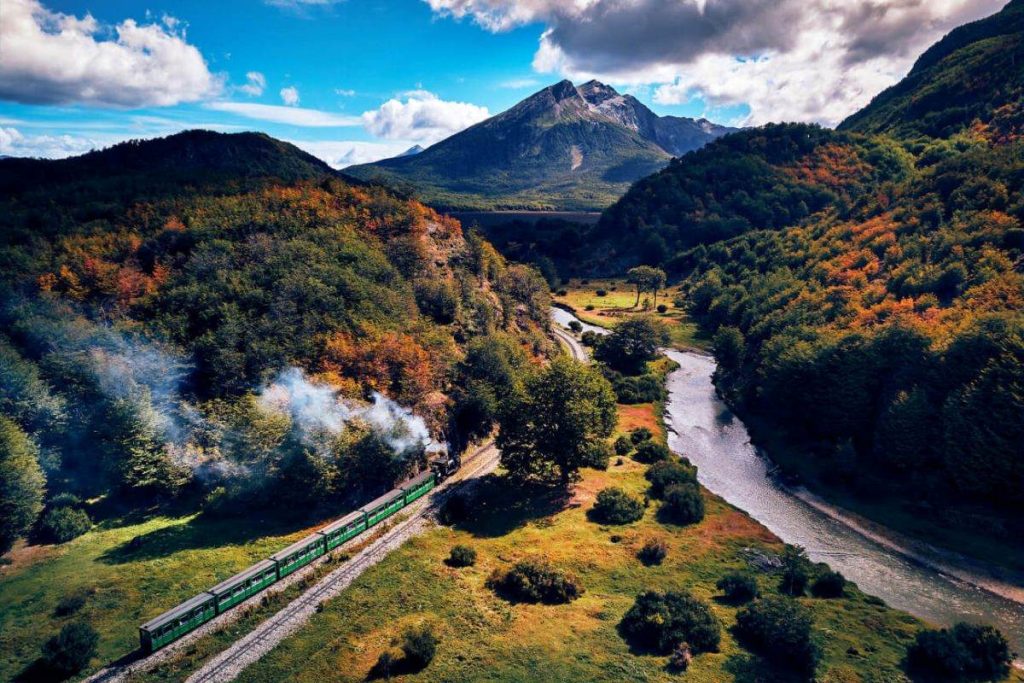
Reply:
x=499, y=506
x=204, y=531
x=748, y=668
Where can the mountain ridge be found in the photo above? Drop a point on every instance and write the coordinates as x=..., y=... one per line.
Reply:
x=563, y=147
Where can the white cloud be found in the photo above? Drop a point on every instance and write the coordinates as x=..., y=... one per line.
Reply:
x=342, y=153
x=520, y=83
x=810, y=60
x=299, y=4
x=54, y=58
x=14, y=143
x=344, y=92
x=422, y=117
x=255, y=82
x=290, y=96
x=295, y=116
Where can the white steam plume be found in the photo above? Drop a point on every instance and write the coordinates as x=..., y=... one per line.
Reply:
x=317, y=410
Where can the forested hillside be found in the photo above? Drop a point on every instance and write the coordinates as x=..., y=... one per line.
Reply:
x=168, y=339
x=866, y=286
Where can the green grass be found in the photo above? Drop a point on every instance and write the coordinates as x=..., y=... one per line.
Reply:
x=482, y=637
x=177, y=558
x=618, y=304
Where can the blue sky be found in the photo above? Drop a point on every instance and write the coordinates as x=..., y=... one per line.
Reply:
x=352, y=80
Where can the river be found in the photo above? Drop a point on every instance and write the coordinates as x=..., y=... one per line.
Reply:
x=702, y=428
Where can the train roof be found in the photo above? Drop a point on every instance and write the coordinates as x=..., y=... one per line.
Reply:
x=177, y=611
x=417, y=480
x=386, y=498
x=343, y=522
x=280, y=555
x=257, y=568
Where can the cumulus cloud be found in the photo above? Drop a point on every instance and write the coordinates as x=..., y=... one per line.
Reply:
x=290, y=96
x=255, y=82
x=54, y=58
x=14, y=143
x=816, y=60
x=295, y=116
x=342, y=153
x=420, y=116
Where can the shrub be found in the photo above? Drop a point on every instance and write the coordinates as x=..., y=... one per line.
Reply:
x=667, y=473
x=561, y=292
x=69, y=604
x=738, y=587
x=640, y=434
x=63, y=524
x=829, y=585
x=419, y=645
x=533, y=581
x=454, y=510
x=64, y=500
x=779, y=629
x=639, y=389
x=601, y=292
x=662, y=308
x=663, y=622
x=462, y=556
x=615, y=506
x=683, y=504
x=650, y=452
x=590, y=338
x=576, y=326
x=795, y=571
x=623, y=445
x=588, y=307
x=69, y=651
x=965, y=652
x=653, y=552
x=598, y=456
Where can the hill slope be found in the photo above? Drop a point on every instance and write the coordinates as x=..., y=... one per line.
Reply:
x=562, y=148
x=972, y=77
x=144, y=315
x=868, y=283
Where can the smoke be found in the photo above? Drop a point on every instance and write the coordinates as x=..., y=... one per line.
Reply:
x=317, y=411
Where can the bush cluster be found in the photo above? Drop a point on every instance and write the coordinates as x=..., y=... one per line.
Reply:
x=649, y=452
x=63, y=524
x=964, y=653
x=640, y=434
x=68, y=652
x=668, y=473
x=615, y=506
x=462, y=556
x=535, y=581
x=623, y=445
x=683, y=504
x=654, y=552
x=738, y=587
x=779, y=629
x=663, y=622
x=829, y=584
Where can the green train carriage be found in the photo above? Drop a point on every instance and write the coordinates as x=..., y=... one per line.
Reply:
x=195, y=612
x=244, y=584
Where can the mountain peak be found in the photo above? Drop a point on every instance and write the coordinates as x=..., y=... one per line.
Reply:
x=563, y=90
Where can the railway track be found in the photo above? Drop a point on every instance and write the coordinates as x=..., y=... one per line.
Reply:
x=570, y=342
x=227, y=665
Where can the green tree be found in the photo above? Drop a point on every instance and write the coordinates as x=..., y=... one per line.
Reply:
x=551, y=427
x=729, y=347
x=615, y=506
x=646, y=279
x=22, y=483
x=665, y=621
x=631, y=344
x=779, y=629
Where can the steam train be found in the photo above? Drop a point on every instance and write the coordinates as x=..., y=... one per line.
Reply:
x=193, y=613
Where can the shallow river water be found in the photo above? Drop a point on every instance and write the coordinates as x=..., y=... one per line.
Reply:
x=702, y=428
